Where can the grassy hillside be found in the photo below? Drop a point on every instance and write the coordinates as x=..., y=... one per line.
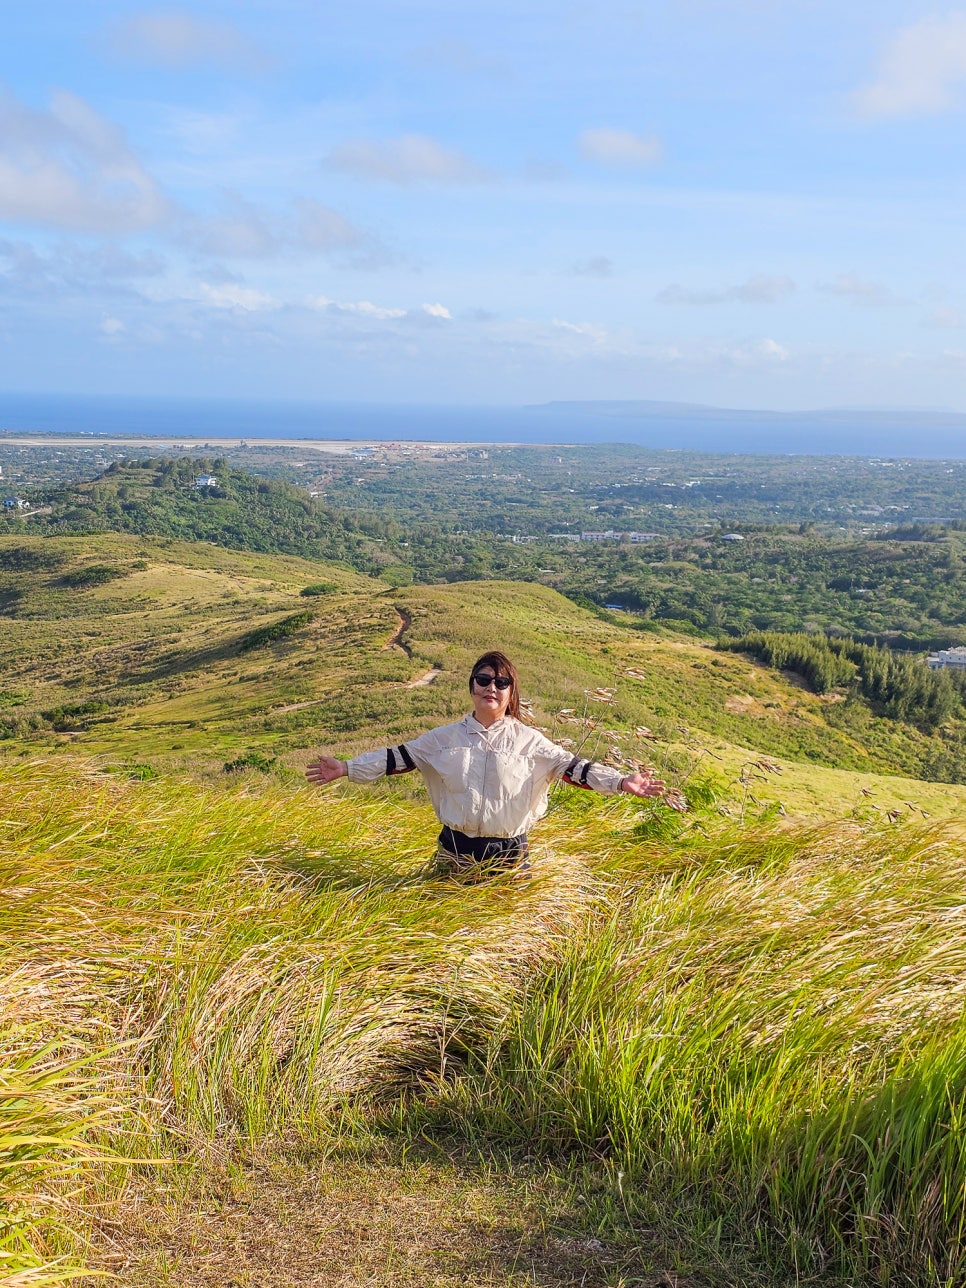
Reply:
x=161, y=653
x=244, y=1037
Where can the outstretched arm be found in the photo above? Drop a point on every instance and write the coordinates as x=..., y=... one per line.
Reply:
x=602, y=778
x=370, y=765
x=326, y=770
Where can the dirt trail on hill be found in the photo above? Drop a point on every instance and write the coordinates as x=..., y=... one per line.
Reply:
x=428, y=678
x=396, y=638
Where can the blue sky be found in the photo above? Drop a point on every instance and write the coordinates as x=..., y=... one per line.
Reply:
x=751, y=203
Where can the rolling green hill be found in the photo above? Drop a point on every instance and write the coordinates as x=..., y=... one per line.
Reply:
x=721, y=1047
x=174, y=654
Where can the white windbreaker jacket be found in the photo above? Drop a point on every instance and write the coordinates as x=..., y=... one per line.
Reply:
x=486, y=781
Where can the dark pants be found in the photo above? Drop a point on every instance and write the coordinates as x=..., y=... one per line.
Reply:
x=481, y=856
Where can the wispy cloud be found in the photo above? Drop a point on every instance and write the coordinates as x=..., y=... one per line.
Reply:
x=760, y=289
x=244, y=230
x=619, y=147
x=365, y=308
x=426, y=314
x=460, y=59
x=229, y=296
x=176, y=39
x=942, y=317
x=408, y=159
x=596, y=266
x=859, y=290
x=919, y=70
x=70, y=167
x=321, y=228
x=107, y=267
x=588, y=330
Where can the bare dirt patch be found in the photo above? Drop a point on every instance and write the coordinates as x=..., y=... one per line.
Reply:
x=428, y=678
x=332, y=1223
x=743, y=704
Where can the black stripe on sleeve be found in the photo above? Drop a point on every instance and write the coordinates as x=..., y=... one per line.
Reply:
x=407, y=758
x=390, y=762
x=581, y=779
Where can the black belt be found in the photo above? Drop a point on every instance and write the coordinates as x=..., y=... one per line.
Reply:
x=483, y=849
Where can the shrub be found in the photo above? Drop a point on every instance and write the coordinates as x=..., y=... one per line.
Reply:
x=319, y=588
x=65, y=718
x=263, y=635
x=251, y=760
x=92, y=575
x=29, y=559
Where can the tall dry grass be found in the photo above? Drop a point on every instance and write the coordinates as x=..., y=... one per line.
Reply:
x=760, y=1027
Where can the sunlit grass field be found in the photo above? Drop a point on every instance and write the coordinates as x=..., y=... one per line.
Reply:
x=712, y=1048
x=741, y=1039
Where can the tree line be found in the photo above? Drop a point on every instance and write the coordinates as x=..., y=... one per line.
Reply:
x=896, y=685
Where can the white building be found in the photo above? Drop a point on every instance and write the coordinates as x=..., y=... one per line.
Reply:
x=205, y=480
x=952, y=657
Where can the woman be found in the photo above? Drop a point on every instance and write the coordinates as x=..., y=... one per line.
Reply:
x=488, y=775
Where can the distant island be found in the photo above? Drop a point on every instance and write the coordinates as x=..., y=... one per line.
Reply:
x=895, y=432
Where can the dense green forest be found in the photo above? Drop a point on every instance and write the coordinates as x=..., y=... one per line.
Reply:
x=159, y=497
x=441, y=520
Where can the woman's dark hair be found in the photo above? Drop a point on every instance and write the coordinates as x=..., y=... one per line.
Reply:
x=500, y=664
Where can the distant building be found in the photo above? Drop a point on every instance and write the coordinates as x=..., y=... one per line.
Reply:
x=205, y=480
x=732, y=536
x=951, y=657
x=638, y=537
x=15, y=503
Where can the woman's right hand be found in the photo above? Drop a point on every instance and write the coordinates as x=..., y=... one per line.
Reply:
x=326, y=770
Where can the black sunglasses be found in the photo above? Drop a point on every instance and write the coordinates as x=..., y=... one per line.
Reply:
x=483, y=680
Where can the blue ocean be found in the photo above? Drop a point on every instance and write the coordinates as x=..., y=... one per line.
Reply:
x=681, y=426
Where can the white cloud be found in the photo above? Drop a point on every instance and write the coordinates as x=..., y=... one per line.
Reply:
x=243, y=230
x=324, y=229
x=438, y=311
x=176, y=39
x=364, y=308
x=230, y=296
x=772, y=350
x=112, y=326
x=859, y=290
x=619, y=147
x=944, y=318
x=760, y=289
x=70, y=167
x=919, y=70
x=586, y=329
x=411, y=158
x=72, y=267
x=596, y=266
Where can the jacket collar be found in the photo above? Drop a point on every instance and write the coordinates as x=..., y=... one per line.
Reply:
x=474, y=725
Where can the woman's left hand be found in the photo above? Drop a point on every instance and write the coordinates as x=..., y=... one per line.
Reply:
x=643, y=785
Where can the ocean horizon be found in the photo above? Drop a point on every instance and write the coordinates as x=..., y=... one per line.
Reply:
x=831, y=432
